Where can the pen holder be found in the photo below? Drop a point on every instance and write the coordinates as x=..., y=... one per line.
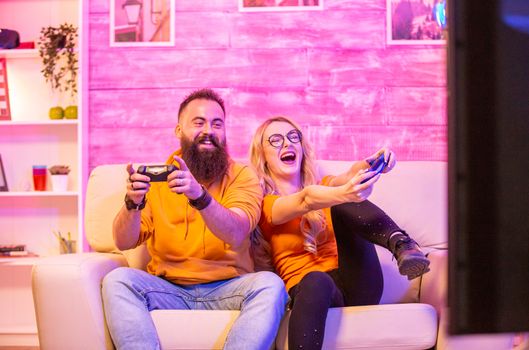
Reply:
x=67, y=246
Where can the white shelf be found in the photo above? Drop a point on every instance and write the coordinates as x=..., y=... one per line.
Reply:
x=39, y=122
x=23, y=260
x=38, y=194
x=19, y=53
x=19, y=330
x=19, y=261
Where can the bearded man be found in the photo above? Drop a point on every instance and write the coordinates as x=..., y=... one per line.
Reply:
x=196, y=226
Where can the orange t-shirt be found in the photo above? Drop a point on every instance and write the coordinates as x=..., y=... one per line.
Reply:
x=291, y=261
x=182, y=248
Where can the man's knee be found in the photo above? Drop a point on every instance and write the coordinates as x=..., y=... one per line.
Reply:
x=271, y=282
x=120, y=275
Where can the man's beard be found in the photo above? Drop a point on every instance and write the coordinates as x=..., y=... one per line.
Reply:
x=205, y=165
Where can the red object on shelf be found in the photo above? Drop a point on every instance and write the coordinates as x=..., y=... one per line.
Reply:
x=5, y=112
x=26, y=45
x=39, y=177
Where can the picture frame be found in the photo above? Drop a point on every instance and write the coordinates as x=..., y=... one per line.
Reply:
x=416, y=22
x=142, y=23
x=5, y=110
x=280, y=5
x=3, y=179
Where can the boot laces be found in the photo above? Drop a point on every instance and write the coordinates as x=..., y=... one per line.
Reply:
x=405, y=244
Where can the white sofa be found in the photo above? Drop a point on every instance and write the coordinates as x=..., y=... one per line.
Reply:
x=412, y=315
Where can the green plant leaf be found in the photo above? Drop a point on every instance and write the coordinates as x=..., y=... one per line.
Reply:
x=59, y=58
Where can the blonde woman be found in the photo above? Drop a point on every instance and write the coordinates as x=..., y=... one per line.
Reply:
x=318, y=230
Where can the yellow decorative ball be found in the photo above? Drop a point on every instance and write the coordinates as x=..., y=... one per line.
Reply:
x=56, y=113
x=70, y=112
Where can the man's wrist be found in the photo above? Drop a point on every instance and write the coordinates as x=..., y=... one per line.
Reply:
x=201, y=202
x=131, y=205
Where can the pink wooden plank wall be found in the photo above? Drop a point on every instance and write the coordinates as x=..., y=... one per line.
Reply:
x=330, y=70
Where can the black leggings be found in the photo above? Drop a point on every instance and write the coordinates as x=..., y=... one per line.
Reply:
x=357, y=281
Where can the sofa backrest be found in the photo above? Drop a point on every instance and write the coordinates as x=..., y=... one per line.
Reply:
x=104, y=198
x=414, y=194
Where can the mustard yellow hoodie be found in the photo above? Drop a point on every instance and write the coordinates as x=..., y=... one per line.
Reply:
x=182, y=248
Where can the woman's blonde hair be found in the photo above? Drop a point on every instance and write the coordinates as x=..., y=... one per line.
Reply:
x=313, y=222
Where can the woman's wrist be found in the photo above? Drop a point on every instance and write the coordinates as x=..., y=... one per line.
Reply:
x=343, y=194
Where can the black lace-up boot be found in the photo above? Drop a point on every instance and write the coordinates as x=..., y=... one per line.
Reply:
x=411, y=260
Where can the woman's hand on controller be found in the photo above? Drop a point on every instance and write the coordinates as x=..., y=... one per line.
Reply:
x=355, y=190
x=389, y=157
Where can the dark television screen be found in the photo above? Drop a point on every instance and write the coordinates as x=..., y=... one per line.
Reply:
x=488, y=123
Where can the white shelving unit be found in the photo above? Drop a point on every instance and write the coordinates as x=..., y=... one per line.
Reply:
x=19, y=53
x=30, y=138
x=32, y=194
x=37, y=123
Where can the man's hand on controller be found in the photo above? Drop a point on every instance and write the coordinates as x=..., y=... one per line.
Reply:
x=137, y=185
x=182, y=181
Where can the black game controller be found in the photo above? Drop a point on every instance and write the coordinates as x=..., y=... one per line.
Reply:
x=377, y=166
x=157, y=173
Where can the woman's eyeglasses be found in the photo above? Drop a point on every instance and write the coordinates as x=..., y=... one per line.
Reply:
x=277, y=140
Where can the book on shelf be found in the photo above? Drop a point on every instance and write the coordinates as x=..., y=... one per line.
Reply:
x=15, y=250
x=16, y=253
x=7, y=248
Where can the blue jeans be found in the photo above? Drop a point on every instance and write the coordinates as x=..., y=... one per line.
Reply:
x=130, y=294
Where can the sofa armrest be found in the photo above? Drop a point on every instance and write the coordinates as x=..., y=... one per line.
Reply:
x=434, y=289
x=67, y=298
x=434, y=284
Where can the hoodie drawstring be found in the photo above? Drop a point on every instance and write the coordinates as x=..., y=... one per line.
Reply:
x=186, y=223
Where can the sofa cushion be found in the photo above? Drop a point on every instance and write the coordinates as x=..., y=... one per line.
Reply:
x=413, y=194
x=178, y=329
x=104, y=198
x=376, y=327
x=404, y=326
x=397, y=288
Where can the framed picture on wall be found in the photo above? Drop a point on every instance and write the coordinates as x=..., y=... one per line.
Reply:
x=279, y=5
x=3, y=180
x=416, y=22
x=142, y=22
x=5, y=112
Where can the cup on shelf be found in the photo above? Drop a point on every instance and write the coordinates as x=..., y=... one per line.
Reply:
x=39, y=177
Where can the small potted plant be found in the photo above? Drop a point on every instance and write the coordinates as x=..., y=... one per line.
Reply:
x=59, y=177
x=60, y=65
